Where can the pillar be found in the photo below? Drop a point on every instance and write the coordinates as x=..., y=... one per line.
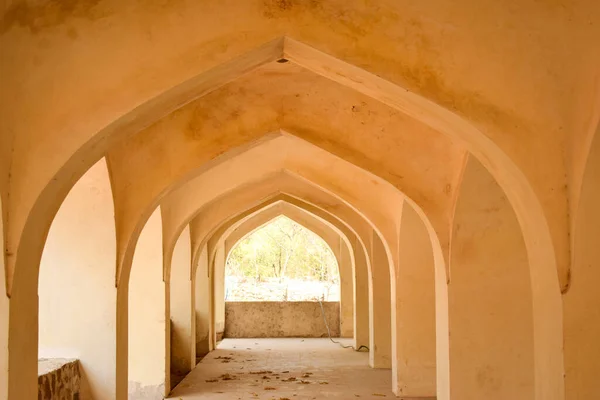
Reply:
x=219, y=289
x=361, y=296
x=346, y=291
x=414, y=363
x=380, y=321
x=183, y=352
x=77, y=293
x=4, y=313
x=490, y=298
x=202, y=301
x=582, y=300
x=147, y=327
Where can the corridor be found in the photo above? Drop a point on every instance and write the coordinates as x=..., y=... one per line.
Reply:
x=420, y=178
x=284, y=369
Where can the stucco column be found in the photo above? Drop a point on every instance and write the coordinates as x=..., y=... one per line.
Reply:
x=490, y=299
x=147, y=327
x=380, y=320
x=346, y=291
x=183, y=352
x=361, y=296
x=77, y=293
x=4, y=312
x=219, y=289
x=201, y=299
x=582, y=301
x=414, y=356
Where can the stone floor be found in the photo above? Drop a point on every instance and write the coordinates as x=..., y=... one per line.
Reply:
x=282, y=369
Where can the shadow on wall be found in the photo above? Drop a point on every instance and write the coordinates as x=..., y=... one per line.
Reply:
x=179, y=367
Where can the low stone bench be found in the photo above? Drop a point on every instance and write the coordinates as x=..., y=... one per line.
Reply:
x=58, y=379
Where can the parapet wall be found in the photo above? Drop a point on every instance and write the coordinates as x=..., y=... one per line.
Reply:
x=58, y=379
x=256, y=319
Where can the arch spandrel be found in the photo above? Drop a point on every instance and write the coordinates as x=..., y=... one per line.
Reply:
x=280, y=152
x=249, y=199
x=239, y=231
x=429, y=68
x=432, y=114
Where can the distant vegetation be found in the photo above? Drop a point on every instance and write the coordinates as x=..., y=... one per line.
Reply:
x=282, y=251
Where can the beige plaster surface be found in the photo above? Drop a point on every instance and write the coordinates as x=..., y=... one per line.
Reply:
x=413, y=310
x=147, y=326
x=284, y=152
x=380, y=318
x=202, y=299
x=4, y=311
x=218, y=284
x=346, y=372
x=274, y=99
x=581, y=304
x=490, y=307
x=180, y=312
x=77, y=295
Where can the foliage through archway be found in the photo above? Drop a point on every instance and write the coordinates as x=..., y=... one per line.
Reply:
x=282, y=261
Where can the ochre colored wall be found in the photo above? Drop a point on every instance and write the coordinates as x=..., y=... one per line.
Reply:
x=273, y=319
x=147, y=328
x=202, y=301
x=77, y=294
x=414, y=307
x=582, y=302
x=183, y=353
x=490, y=307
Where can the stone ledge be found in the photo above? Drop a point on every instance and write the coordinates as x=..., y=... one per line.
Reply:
x=58, y=379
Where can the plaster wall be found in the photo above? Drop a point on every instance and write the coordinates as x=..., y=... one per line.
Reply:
x=147, y=327
x=346, y=290
x=490, y=304
x=77, y=294
x=582, y=302
x=361, y=296
x=202, y=301
x=414, y=307
x=380, y=320
x=273, y=319
x=183, y=353
x=219, y=289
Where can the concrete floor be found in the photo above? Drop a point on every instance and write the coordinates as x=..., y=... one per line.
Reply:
x=282, y=369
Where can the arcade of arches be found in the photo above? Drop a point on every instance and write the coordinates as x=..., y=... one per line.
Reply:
x=447, y=152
